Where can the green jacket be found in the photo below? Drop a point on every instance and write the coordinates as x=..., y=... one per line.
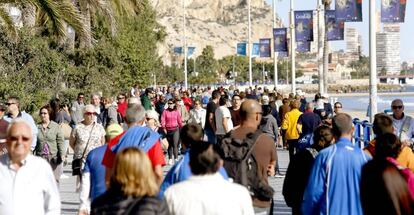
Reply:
x=146, y=102
x=53, y=137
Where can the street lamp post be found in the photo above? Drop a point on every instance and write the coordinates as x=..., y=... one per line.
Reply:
x=292, y=46
x=321, y=33
x=185, y=50
x=250, y=45
x=274, y=52
x=372, y=61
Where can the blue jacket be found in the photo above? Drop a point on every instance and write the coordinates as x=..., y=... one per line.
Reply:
x=180, y=172
x=334, y=183
x=94, y=166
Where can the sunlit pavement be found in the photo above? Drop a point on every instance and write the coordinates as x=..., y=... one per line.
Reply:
x=70, y=199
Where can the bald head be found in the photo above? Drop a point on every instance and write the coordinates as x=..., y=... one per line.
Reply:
x=19, y=140
x=250, y=110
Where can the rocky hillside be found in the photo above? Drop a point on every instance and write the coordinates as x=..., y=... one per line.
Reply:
x=220, y=23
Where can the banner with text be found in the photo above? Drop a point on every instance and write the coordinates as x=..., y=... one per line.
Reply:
x=393, y=10
x=280, y=39
x=256, y=50
x=241, y=49
x=303, y=46
x=265, y=47
x=304, y=25
x=348, y=10
x=334, y=29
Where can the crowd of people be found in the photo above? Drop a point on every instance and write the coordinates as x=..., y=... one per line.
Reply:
x=221, y=145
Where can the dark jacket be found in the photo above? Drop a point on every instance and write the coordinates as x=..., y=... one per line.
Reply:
x=114, y=203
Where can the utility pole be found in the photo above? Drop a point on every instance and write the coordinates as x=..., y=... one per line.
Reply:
x=274, y=52
x=321, y=33
x=250, y=45
x=292, y=47
x=185, y=50
x=372, y=61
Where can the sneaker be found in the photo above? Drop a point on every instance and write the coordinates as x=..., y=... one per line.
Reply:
x=279, y=175
x=170, y=162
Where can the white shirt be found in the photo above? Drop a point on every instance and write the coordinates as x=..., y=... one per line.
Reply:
x=209, y=195
x=30, y=190
x=198, y=116
x=223, y=112
x=398, y=128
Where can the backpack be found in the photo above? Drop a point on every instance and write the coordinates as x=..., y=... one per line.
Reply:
x=241, y=164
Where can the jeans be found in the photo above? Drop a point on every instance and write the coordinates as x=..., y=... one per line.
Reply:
x=211, y=137
x=173, y=138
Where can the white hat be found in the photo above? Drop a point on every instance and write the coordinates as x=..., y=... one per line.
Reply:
x=89, y=109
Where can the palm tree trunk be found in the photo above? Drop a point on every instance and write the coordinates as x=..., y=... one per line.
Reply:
x=29, y=15
x=86, y=12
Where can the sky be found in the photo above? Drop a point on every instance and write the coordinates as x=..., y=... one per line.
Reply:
x=407, y=28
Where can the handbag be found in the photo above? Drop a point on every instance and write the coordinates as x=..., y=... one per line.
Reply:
x=67, y=130
x=77, y=163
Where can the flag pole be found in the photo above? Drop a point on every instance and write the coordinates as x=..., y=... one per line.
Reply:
x=292, y=46
x=372, y=61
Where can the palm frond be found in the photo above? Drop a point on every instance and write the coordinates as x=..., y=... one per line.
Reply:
x=8, y=23
x=105, y=8
x=128, y=7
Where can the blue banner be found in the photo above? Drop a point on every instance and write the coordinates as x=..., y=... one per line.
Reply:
x=190, y=51
x=303, y=46
x=280, y=39
x=348, y=10
x=178, y=50
x=242, y=49
x=265, y=47
x=304, y=25
x=393, y=10
x=334, y=29
x=256, y=50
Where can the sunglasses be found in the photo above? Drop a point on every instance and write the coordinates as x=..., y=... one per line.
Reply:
x=338, y=107
x=11, y=103
x=170, y=103
x=148, y=119
x=80, y=97
x=90, y=113
x=121, y=97
x=397, y=107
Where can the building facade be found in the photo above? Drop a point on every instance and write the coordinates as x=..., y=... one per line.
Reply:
x=388, y=50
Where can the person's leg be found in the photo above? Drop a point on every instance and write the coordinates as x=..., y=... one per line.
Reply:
x=291, y=146
x=176, y=140
x=170, y=144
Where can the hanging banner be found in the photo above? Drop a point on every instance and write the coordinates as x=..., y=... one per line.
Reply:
x=280, y=39
x=393, y=10
x=190, y=51
x=256, y=50
x=178, y=50
x=304, y=25
x=265, y=47
x=241, y=49
x=303, y=46
x=348, y=10
x=334, y=29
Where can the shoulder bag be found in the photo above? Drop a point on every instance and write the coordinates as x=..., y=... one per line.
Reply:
x=77, y=163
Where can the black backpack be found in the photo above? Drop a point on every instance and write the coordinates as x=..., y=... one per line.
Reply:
x=241, y=165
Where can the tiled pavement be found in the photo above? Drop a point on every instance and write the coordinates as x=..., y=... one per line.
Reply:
x=70, y=199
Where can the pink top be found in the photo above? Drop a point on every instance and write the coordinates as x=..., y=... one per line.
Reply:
x=406, y=173
x=171, y=120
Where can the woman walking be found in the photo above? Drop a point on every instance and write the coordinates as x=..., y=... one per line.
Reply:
x=50, y=142
x=171, y=123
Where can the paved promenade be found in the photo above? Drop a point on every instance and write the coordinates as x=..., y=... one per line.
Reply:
x=70, y=199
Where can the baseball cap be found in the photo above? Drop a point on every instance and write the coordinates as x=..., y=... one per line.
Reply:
x=114, y=130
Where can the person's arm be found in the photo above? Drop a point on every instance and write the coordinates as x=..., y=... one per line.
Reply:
x=203, y=119
x=51, y=193
x=158, y=174
x=35, y=130
x=285, y=123
x=179, y=119
x=72, y=139
x=224, y=122
x=211, y=121
x=60, y=141
x=163, y=118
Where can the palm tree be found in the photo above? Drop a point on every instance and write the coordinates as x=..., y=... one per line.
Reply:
x=89, y=9
x=327, y=5
x=51, y=13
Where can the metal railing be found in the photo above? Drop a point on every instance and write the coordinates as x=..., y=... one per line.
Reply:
x=363, y=133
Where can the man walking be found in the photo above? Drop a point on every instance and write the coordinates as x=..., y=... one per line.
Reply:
x=403, y=124
x=263, y=151
x=76, y=112
x=27, y=184
x=210, y=126
x=14, y=112
x=333, y=186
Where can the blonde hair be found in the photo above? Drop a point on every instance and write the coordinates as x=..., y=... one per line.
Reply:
x=133, y=174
